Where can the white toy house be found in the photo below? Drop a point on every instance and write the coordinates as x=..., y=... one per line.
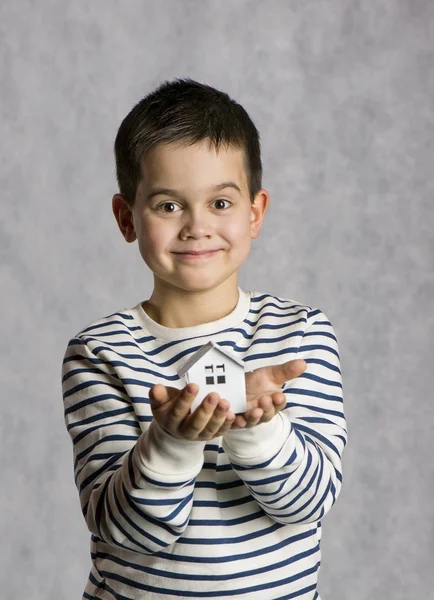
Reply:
x=214, y=369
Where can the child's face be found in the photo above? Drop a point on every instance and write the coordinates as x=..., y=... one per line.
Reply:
x=179, y=208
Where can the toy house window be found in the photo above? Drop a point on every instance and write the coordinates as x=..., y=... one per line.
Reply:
x=210, y=379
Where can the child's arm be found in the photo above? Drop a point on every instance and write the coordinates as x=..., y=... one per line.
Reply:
x=292, y=464
x=136, y=488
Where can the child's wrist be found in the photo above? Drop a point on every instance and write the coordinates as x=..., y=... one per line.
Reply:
x=160, y=451
x=257, y=442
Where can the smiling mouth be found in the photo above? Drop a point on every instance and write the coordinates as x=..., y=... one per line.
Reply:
x=191, y=255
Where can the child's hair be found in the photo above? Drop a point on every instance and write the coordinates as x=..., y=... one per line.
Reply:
x=184, y=111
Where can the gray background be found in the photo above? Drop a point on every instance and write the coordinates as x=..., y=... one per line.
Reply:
x=342, y=93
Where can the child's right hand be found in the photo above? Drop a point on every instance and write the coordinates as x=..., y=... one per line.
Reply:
x=171, y=409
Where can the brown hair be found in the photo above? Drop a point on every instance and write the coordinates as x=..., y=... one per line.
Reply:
x=184, y=111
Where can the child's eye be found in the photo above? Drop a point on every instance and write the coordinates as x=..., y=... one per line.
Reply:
x=220, y=200
x=160, y=207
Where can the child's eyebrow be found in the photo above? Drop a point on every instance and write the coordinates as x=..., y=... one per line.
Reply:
x=175, y=194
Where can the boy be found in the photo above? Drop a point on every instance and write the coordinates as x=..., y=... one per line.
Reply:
x=203, y=503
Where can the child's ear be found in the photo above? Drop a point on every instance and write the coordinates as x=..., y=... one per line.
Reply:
x=257, y=212
x=122, y=211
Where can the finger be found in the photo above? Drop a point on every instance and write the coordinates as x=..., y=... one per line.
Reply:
x=182, y=404
x=269, y=410
x=253, y=417
x=227, y=425
x=219, y=419
x=196, y=422
x=279, y=401
x=239, y=422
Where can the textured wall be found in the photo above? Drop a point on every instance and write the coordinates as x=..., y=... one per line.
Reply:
x=342, y=92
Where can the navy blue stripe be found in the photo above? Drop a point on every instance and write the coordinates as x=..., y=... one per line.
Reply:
x=313, y=313
x=104, y=440
x=120, y=363
x=324, y=411
x=92, y=382
x=315, y=476
x=105, y=322
x=271, y=479
x=219, y=486
x=99, y=506
x=313, y=393
x=258, y=465
x=261, y=495
x=231, y=540
x=321, y=333
x=262, y=355
x=313, y=347
x=101, y=416
x=263, y=313
x=299, y=593
x=80, y=358
x=83, y=434
x=301, y=493
x=74, y=372
x=216, y=467
x=143, y=532
x=163, y=484
x=320, y=379
x=93, y=400
x=197, y=577
x=292, y=334
x=95, y=474
x=228, y=522
x=324, y=363
x=318, y=436
x=201, y=558
x=218, y=504
x=125, y=331
x=213, y=594
x=173, y=531
x=167, y=502
x=110, y=516
x=275, y=326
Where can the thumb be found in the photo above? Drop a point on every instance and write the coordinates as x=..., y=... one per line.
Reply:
x=288, y=370
x=158, y=395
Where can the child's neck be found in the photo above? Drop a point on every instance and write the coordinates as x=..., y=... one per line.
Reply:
x=176, y=310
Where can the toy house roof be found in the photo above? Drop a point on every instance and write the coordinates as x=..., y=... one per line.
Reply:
x=201, y=353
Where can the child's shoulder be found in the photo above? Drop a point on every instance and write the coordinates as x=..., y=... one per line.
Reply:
x=119, y=322
x=279, y=310
x=261, y=301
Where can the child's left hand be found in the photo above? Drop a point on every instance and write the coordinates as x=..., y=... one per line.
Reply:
x=263, y=391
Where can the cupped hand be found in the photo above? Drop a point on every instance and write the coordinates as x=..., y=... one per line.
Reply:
x=171, y=409
x=264, y=392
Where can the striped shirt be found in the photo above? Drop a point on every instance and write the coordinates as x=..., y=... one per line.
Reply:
x=238, y=516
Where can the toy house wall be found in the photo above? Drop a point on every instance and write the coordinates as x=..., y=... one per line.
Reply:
x=216, y=366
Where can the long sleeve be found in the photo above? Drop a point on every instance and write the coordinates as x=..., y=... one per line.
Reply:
x=136, y=487
x=293, y=464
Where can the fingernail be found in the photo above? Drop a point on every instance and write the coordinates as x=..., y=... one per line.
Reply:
x=213, y=400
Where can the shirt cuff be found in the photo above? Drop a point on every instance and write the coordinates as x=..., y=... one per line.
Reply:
x=169, y=456
x=257, y=444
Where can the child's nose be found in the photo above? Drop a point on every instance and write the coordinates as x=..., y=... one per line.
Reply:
x=196, y=224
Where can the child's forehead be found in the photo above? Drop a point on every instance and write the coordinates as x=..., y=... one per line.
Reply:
x=199, y=160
